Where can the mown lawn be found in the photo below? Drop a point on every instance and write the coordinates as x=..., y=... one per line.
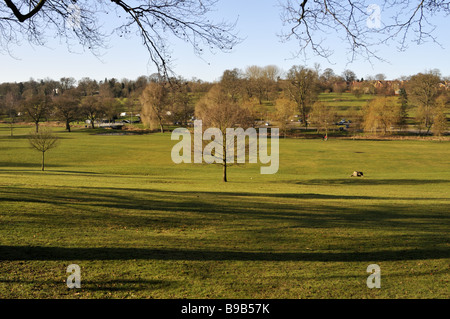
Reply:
x=140, y=226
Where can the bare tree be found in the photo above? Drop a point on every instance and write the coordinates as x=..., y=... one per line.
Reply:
x=155, y=102
x=233, y=82
x=67, y=107
x=380, y=77
x=327, y=79
x=440, y=121
x=218, y=110
x=67, y=84
x=302, y=87
x=11, y=106
x=88, y=87
x=37, y=108
x=382, y=113
x=132, y=105
x=403, y=102
x=285, y=110
x=423, y=90
x=255, y=82
x=261, y=81
x=360, y=25
x=82, y=22
x=349, y=76
x=92, y=109
x=182, y=106
x=110, y=106
x=43, y=141
x=324, y=116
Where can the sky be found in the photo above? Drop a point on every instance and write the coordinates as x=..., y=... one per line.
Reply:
x=258, y=24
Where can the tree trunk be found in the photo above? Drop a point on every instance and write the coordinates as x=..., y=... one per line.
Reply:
x=43, y=160
x=37, y=127
x=161, y=126
x=305, y=122
x=68, y=125
x=225, y=172
x=92, y=123
x=224, y=159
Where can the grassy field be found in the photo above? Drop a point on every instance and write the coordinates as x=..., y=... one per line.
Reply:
x=140, y=226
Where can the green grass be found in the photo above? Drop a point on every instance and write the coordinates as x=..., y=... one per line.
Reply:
x=140, y=226
x=345, y=102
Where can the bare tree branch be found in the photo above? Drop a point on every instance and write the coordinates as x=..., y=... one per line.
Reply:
x=22, y=17
x=311, y=23
x=154, y=21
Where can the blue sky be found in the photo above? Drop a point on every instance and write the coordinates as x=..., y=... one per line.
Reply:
x=258, y=23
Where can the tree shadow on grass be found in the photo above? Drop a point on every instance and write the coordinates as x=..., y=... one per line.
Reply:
x=268, y=195
x=112, y=205
x=33, y=253
x=27, y=136
x=412, y=230
x=14, y=137
x=5, y=167
x=369, y=181
x=127, y=285
x=105, y=285
x=36, y=165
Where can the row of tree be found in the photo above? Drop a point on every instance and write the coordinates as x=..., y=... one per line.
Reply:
x=426, y=94
x=68, y=100
x=295, y=93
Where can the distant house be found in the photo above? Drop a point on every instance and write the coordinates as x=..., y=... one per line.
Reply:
x=378, y=84
x=357, y=84
x=445, y=85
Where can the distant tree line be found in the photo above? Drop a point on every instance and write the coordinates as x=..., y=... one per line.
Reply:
x=265, y=93
x=69, y=100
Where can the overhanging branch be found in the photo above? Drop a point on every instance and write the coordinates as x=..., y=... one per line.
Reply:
x=23, y=17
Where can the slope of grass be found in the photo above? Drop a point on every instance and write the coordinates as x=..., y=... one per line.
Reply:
x=140, y=226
